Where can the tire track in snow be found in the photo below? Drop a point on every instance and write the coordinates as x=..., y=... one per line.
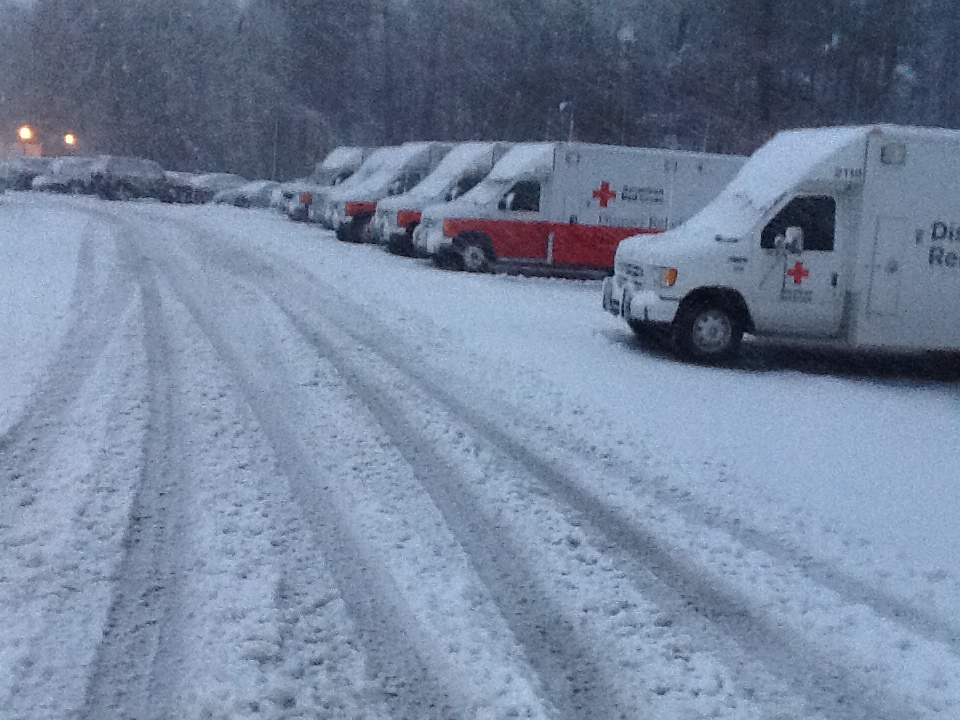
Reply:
x=412, y=687
x=553, y=645
x=133, y=664
x=856, y=591
x=95, y=311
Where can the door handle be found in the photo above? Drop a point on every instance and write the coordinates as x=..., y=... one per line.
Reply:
x=834, y=278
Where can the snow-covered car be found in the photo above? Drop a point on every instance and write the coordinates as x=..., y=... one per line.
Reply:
x=205, y=186
x=178, y=187
x=18, y=174
x=251, y=194
x=126, y=178
x=66, y=175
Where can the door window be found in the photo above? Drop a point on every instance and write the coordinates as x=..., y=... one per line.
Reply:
x=525, y=195
x=814, y=214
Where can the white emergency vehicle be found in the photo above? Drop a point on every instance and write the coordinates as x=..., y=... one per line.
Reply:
x=351, y=207
x=568, y=205
x=849, y=236
x=339, y=164
x=459, y=171
x=320, y=207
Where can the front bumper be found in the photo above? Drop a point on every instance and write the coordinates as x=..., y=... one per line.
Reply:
x=622, y=299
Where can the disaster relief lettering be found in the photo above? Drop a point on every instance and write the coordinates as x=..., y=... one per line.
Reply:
x=942, y=236
x=652, y=195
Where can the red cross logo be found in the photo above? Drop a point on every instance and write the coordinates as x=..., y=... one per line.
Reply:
x=798, y=272
x=604, y=194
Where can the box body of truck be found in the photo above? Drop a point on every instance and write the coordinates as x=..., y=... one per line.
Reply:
x=568, y=205
x=847, y=236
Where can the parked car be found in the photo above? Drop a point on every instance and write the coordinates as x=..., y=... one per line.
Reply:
x=178, y=187
x=126, y=178
x=251, y=194
x=18, y=174
x=205, y=186
x=66, y=175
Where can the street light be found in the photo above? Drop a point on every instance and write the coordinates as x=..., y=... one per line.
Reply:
x=26, y=133
x=70, y=139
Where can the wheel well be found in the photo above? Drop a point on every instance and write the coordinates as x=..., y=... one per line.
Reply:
x=726, y=298
x=481, y=239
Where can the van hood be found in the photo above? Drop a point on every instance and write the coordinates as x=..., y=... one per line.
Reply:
x=341, y=158
x=377, y=184
x=525, y=160
x=461, y=160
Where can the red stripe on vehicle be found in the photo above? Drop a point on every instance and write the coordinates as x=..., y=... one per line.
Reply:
x=582, y=246
x=590, y=246
x=406, y=218
x=359, y=207
x=512, y=239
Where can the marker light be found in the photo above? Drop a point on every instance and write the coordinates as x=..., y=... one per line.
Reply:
x=668, y=277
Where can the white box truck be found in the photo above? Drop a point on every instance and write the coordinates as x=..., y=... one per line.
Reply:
x=460, y=171
x=351, y=207
x=568, y=205
x=848, y=236
x=339, y=164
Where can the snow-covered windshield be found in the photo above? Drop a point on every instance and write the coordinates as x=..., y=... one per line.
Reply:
x=459, y=162
x=488, y=191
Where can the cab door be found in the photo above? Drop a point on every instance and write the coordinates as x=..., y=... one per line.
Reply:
x=801, y=285
x=521, y=234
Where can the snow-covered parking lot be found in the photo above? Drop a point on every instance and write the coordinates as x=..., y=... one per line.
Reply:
x=247, y=471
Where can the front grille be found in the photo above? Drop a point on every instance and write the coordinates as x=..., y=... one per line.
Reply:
x=631, y=272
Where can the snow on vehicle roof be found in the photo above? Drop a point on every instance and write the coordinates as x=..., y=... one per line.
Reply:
x=217, y=180
x=788, y=157
x=463, y=158
x=774, y=169
x=524, y=159
x=392, y=165
x=128, y=166
x=341, y=157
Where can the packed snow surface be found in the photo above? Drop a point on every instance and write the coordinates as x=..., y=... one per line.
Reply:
x=247, y=471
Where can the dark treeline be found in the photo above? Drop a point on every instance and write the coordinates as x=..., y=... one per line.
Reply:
x=264, y=91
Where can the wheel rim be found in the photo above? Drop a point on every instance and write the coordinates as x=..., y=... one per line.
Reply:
x=473, y=258
x=712, y=332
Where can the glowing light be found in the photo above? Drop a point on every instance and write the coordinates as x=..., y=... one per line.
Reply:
x=70, y=139
x=26, y=133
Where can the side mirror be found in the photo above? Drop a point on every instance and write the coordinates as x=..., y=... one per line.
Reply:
x=794, y=240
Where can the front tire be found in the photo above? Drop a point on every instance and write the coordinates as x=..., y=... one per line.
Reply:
x=474, y=257
x=708, y=332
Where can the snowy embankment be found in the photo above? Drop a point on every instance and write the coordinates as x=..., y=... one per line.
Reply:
x=254, y=472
